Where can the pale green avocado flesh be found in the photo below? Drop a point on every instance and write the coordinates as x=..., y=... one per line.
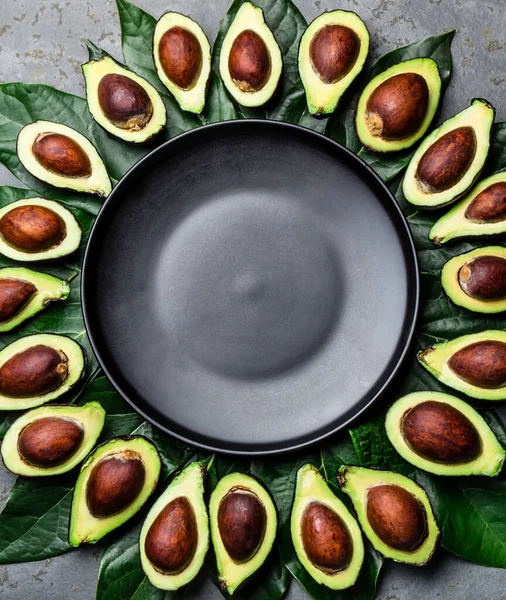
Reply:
x=487, y=460
x=75, y=357
x=89, y=418
x=232, y=573
x=324, y=90
x=466, y=277
x=96, y=182
x=137, y=128
x=375, y=494
x=86, y=527
x=436, y=360
x=47, y=289
x=438, y=174
x=312, y=491
x=369, y=123
x=188, y=484
x=191, y=98
x=482, y=212
x=69, y=244
x=250, y=19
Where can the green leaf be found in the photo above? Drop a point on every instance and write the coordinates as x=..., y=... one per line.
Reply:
x=137, y=28
x=341, y=125
x=219, y=107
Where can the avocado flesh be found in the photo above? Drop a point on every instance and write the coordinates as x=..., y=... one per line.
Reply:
x=425, y=67
x=453, y=289
x=479, y=117
x=97, y=183
x=94, y=71
x=357, y=481
x=490, y=460
x=76, y=357
x=455, y=224
x=311, y=488
x=193, y=99
x=435, y=360
x=323, y=98
x=49, y=289
x=84, y=527
x=251, y=18
x=68, y=245
x=90, y=416
x=190, y=484
x=232, y=574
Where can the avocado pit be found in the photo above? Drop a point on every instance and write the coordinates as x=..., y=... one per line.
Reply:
x=114, y=483
x=14, y=296
x=61, y=155
x=180, y=56
x=249, y=62
x=396, y=517
x=124, y=102
x=447, y=160
x=440, y=433
x=172, y=539
x=484, y=278
x=333, y=51
x=33, y=372
x=50, y=441
x=242, y=521
x=482, y=364
x=489, y=206
x=325, y=538
x=32, y=228
x=396, y=109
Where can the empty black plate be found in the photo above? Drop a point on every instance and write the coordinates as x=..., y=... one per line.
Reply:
x=250, y=287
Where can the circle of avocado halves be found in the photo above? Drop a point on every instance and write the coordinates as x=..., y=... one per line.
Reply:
x=39, y=368
x=443, y=435
x=449, y=161
x=397, y=106
x=332, y=53
x=38, y=229
x=114, y=483
x=182, y=57
x=62, y=157
x=473, y=364
x=123, y=103
x=24, y=293
x=52, y=439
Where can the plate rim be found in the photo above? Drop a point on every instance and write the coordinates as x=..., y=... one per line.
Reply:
x=412, y=260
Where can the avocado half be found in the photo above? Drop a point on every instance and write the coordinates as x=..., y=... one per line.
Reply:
x=332, y=52
x=122, y=102
x=62, y=157
x=481, y=213
x=250, y=58
x=443, y=435
x=473, y=364
x=174, y=538
x=114, y=483
x=182, y=56
x=53, y=439
x=24, y=293
x=397, y=106
x=476, y=280
x=44, y=361
x=243, y=528
x=325, y=535
x=451, y=158
x=394, y=512
x=16, y=224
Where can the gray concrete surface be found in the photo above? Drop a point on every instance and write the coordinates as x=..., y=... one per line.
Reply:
x=42, y=41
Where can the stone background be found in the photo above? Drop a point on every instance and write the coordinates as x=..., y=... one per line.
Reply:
x=43, y=41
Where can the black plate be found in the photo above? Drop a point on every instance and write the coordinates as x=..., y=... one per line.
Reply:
x=250, y=287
